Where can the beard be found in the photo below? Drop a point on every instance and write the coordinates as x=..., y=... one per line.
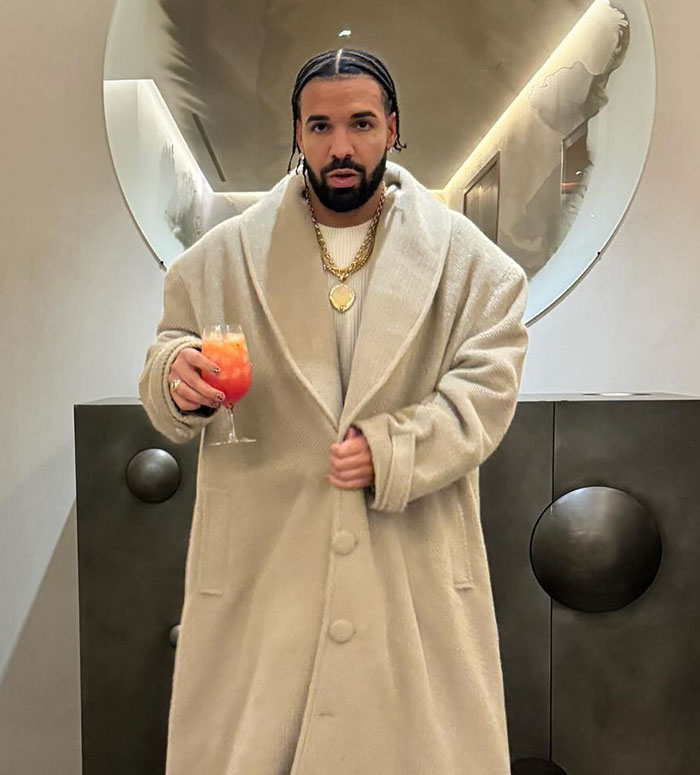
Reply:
x=342, y=200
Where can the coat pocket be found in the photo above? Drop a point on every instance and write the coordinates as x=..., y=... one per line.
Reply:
x=462, y=577
x=214, y=541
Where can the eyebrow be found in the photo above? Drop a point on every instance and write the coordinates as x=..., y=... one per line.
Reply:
x=361, y=114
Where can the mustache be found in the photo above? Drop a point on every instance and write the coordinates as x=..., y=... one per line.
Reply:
x=341, y=166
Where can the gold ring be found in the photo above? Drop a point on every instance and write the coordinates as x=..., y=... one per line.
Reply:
x=174, y=385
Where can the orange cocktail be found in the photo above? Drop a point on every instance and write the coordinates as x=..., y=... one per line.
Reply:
x=230, y=352
x=226, y=346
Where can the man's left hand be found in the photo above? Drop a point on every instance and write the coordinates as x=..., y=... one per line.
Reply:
x=351, y=466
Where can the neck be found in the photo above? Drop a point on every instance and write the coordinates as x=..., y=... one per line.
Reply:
x=327, y=217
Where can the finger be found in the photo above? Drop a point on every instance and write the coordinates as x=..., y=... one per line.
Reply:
x=355, y=484
x=189, y=374
x=349, y=447
x=187, y=394
x=356, y=473
x=185, y=406
x=364, y=468
x=182, y=402
x=346, y=463
x=185, y=368
x=196, y=359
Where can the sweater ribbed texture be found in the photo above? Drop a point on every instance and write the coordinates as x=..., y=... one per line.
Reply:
x=343, y=244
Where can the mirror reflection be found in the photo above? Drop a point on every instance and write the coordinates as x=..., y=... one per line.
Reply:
x=534, y=123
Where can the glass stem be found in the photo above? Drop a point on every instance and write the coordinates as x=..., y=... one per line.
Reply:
x=231, y=435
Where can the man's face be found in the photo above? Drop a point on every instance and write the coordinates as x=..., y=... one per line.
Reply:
x=343, y=128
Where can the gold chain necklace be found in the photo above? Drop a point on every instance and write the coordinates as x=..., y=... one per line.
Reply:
x=342, y=296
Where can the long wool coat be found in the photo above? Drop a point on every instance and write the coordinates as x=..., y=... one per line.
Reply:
x=329, y=631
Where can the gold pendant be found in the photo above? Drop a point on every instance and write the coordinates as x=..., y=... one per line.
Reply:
x=342, y=297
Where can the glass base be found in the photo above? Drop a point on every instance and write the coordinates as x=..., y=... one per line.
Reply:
x=230, y=441
x=232, y=438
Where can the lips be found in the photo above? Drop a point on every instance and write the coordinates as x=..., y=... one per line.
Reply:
x=343, y=179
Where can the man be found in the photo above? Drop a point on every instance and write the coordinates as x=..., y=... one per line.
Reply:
x=338, y=616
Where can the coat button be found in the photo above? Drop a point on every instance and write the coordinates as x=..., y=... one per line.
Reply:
x=341, y=630
x=344, y=542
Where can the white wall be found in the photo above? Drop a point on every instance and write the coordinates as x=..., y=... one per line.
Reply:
x=80, y=298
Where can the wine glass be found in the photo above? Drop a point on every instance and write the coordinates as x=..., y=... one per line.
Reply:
x=226, y=346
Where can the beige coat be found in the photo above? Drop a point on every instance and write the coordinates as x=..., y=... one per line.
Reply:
x=328, y=631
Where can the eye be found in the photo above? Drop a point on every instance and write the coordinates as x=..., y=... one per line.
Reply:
x=318, y=126
x=368, y=124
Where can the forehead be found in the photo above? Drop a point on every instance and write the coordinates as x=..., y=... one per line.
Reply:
x=346, y=94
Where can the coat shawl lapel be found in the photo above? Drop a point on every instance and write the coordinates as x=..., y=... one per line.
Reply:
x=283, y=257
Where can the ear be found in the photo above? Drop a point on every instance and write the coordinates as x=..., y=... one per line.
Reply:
x=391, y=122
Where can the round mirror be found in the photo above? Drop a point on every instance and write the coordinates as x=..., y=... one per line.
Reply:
x=532, y=120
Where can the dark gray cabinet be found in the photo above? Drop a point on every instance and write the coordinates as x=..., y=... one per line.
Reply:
x=612, y=692
x=131, y=559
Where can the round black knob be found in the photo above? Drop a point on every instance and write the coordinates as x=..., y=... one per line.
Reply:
x=595, y=549
x=173, y=635
x=153, y=475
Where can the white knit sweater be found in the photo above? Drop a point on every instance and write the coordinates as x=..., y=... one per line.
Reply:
x=343, y=243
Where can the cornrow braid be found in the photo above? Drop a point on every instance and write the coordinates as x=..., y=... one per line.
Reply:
x=345, y=61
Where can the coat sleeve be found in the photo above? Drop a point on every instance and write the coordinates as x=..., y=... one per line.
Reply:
x=426, y=446
x=177, y=329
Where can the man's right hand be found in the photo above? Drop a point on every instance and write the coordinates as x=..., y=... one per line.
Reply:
x=193, y=391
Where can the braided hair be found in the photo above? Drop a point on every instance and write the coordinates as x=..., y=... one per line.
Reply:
x=343, y=62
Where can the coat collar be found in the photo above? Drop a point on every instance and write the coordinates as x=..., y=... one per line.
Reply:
x=282, y=255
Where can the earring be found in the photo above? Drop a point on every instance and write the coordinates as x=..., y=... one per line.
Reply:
x=301, y=161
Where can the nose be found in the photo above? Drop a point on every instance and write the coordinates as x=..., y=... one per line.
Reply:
x=341, y=146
